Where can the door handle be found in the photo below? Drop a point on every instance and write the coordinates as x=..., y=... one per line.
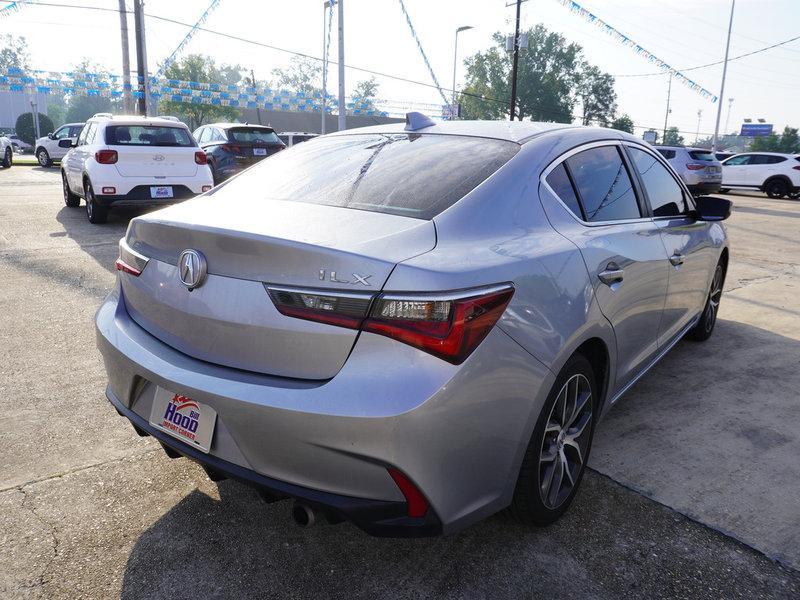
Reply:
x=676, y=259
x=611, y=274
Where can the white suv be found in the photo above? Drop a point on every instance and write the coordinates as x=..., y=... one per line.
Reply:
x=698, y=167
x=127, y=161
x=777, y=175
x=47, y=148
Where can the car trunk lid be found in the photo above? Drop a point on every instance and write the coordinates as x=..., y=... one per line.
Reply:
x=230, y=318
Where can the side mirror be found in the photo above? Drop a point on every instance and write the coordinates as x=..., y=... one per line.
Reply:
x=712, y=208
x=51, y=136
x=66, y=143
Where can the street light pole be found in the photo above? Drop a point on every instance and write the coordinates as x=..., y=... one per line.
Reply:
x=126, y=59
x=724, y=73
x=666, y=116
x=455, y=63
x=697, y=134
x=342, y=106
x=728, y=118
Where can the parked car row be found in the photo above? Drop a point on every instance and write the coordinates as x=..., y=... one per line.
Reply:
x=126, y=161
x=775, y=174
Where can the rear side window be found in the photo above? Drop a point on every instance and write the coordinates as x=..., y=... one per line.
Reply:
x=413, y=175
x=702, y=155
x=774, y=160
x=603, y=184
x=665, y=194
x=559, y=181
x=148, y=135
x=736, y=161
x=252, y=135
x=666, y=153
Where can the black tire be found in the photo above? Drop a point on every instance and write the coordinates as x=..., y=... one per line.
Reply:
x=70, y=199
x=705, y=326
x=214, y=176
x=777, y=188
x=8, y=159
x=94, y=212
x=43, y=158
x=536, y=502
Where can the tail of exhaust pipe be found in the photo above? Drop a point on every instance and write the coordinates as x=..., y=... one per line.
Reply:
x=304, y=515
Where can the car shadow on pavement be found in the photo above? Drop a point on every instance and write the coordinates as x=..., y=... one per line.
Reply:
x=99, y=241
x=612, y=542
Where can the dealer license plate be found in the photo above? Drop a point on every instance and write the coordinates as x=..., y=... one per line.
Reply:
x=259, y=151
x=181, y=417
x=161, y=191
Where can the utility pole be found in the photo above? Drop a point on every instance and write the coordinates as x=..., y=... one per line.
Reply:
x=126, y=59
x=35, y=114
x=697, y=134
x=513, y=108
x=722, y=86
x=342, y=107
x=666, y=116
x=141, y=57
x=258, y=108
x=327, y=5
x=453, y=109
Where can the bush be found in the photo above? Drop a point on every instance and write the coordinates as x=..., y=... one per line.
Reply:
x=27, y=132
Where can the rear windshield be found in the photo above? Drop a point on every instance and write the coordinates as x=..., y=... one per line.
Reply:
x=412, y=175
x=702, y=155
x=253, y=135
x=147, y=135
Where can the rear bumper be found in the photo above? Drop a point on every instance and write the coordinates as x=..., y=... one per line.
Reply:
x=458, y=432
x=705, y=187
x=139, y=196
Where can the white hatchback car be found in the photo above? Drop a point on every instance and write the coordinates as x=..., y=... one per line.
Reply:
x=47, y=148
x=6, y=152
x=777, y=175
x=125, y=161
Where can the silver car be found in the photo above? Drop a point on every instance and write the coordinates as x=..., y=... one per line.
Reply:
x=411, y=328
x=699, y=168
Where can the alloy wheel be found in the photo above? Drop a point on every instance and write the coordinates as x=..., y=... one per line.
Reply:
x=566, y=441
x=714, y=296
x=42, y=158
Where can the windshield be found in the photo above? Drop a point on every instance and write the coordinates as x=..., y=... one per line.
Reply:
x=148, y=135
x=414, y=175
x=253, y=135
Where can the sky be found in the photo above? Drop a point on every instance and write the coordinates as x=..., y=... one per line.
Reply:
x=683, y=33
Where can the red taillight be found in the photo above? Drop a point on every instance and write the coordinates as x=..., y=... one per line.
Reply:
x=106, y=157
x=449, y=326
x=200, y=158
x=121, y=265
x=695, y=166
x=230, y=148
x=416, y=504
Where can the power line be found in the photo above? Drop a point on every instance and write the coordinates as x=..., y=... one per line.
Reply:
x=718, y=62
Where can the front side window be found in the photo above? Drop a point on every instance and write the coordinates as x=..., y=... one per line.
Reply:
x=737, y=161
x=148, y=135
x=408, y=174
x=665, y=194
x=252, y=135
x=61, y=133
x=84, y=133
x=603, y=184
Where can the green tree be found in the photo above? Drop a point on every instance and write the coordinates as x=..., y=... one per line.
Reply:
x=552, y=77
x=366, y=91
x=673, y=137
x=302, y=75
x=79, y=107
x=203, y=69
x=57, y=109
x=788, y=142
x=26, y=130
x=596, y=91
x=13, y=52
x=623, y=123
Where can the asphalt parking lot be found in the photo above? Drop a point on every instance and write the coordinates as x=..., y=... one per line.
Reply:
x=694, y=490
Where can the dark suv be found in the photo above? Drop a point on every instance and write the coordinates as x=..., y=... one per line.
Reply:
x=232, y=147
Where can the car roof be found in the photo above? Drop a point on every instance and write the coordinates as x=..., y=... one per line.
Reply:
x=136, y=120
x=297, y=133
x=767, y=153
x=229, y=125
x=512, y=131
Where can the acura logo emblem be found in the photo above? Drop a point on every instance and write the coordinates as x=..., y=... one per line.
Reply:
x=192, y=268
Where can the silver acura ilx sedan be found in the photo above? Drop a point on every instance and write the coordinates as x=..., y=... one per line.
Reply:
x=411, y=327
